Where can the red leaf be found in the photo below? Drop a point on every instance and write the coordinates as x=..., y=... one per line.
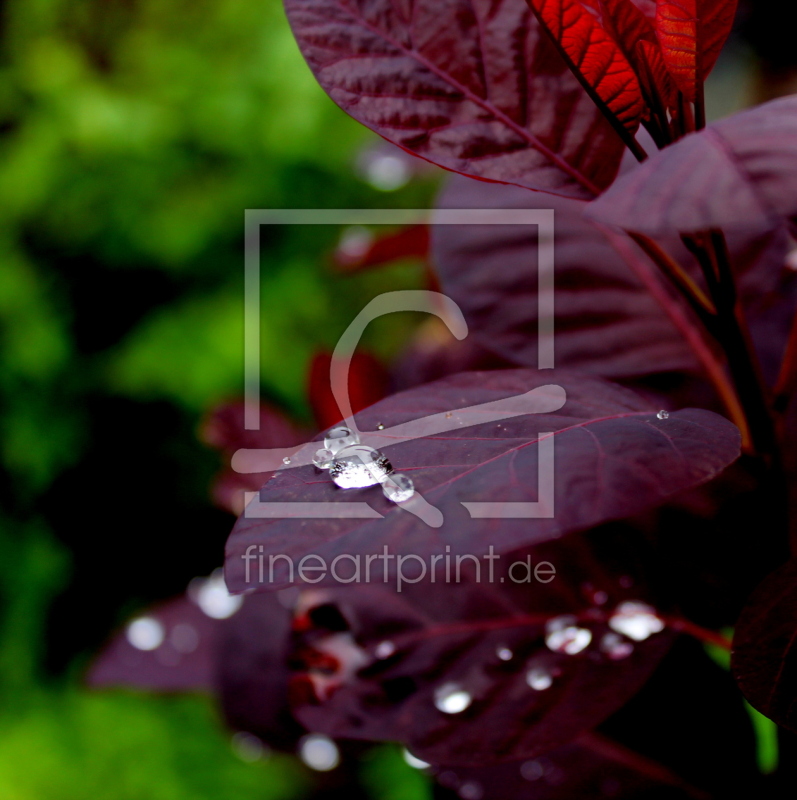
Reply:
x=223, y=429
x=411, y=241
x=595, y=56
x=614, y=458
x=765, y=647
x=368, y=382
x=691, y=34
x=475, y=87
x=633, y=30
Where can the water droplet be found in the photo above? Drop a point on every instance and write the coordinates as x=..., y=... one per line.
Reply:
x=471, y=791
x=354, y=243
x=532, y=770
x=615, y=647
x=791, y=257
x=358, y=465
x=504, y=653
x=184, y=638
x=323, y=458
x=399, y=488
x=539, y=679
x=451, y=698
x=384, y=649
x=387, y=173
x=286, y=461
x=319, y=752
x=380, y=426
x=145, y=633
x=340, y=437
x=562, y=635
x=663, y=414
x=247, y=747
x=414, y=761
x=211, y=595
x=636, y=620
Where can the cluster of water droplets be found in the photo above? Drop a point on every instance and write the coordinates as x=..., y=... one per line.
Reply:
x=565, y=635
x=353, y=465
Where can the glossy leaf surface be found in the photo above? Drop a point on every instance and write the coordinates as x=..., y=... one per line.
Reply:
x=739, y=173
x=594, y=55
x=614, y=457
x=462, y=672
x=472, y=86
x=691, y=34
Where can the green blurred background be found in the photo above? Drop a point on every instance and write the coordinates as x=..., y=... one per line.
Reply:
x=133, y=134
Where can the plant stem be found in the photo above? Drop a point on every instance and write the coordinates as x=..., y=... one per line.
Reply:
x=682, y=280
x=691, y=332
x=730, y=329
x=698, y=632
x=786, y=385
x=700, y=107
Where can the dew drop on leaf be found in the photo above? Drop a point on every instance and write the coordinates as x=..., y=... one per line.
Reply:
x=471, y=791
x=211, y=595
x=414, y=761
x=663, y=414
x=380, y=426
x=539, y=679
x=323, y=458
x=563, y=635
x=319, y=752
x=184, y=638
x=399, y=488
x=340, y=437
x=451, y=698
x=636, y=620
x=248, y=747
x=354, y=243
x=358, y=466
x=384, y=649
x=145, y=633
x=286, y=461
x=615, y=647
x=504, y=654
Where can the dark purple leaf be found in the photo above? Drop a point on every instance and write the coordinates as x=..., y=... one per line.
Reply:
x=468, y=673
x=240, y=655
x=252, y=676
x=614, y=458
x=472, y=86
x=582, y=770
x=764, y=659
x=182, y=661
x=607, y=322
x=740, y=173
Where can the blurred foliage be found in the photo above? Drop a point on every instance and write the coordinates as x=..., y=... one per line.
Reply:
x=133, y=135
